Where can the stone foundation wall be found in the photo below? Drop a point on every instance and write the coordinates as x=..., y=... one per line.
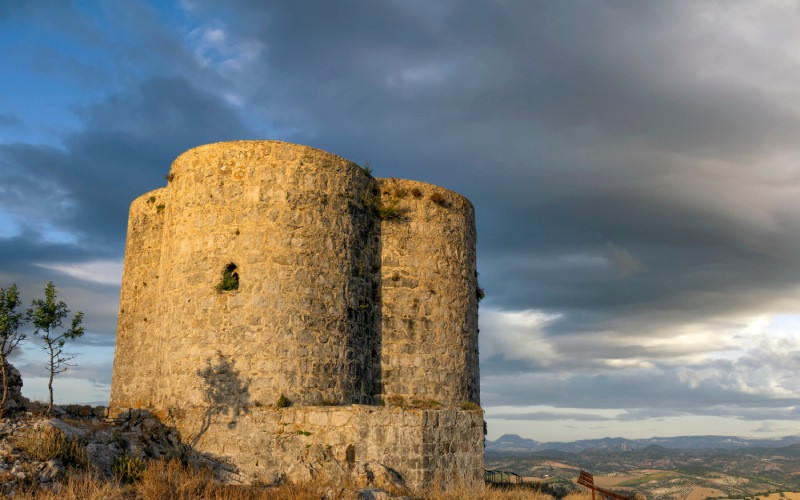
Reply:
x=426, y=447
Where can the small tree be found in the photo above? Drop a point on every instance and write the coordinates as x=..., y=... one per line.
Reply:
x=10, y=336
x=47, y=316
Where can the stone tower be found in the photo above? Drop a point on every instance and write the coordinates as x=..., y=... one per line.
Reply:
x=310, y=279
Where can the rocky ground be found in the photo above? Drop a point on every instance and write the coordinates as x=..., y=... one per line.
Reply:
x=40, y=450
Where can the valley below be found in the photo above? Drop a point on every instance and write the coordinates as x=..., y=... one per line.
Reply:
x=689, y=467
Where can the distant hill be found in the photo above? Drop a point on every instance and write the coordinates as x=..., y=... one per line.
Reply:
x=512, y=443
x=735, y=467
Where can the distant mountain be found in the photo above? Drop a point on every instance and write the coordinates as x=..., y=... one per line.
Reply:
x=512, y=443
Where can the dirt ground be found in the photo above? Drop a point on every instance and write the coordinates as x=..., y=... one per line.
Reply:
x=777, y=496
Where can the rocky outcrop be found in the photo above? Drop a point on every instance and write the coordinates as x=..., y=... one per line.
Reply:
x=97, y=443
x=15, y=398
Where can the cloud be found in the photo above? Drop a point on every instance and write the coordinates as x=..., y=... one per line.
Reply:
x=633, y=169
x=548, y=415
x=10, y=120
x=103, y=272
x=67, y=208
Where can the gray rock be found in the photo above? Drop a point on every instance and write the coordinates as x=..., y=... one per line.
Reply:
x=373, y=494
x=15, y=397
x=100, y=457
x=50, y=471
x=69, y=431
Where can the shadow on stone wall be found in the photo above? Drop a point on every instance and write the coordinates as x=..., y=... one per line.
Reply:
x=141, y=434
x=226, y=392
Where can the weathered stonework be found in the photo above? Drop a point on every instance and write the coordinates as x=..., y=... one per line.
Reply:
x=351, y=291
x=427, y=447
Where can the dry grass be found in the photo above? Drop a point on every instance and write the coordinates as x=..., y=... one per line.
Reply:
x=174, y=481
x=485, y=492
x=49, y=443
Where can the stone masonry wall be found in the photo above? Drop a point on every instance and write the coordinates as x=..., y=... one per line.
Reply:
x=351, y=289
x=427, y=447
x=139, y=338
x=429, y=304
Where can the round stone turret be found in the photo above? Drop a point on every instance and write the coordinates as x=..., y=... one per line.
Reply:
x=267, y=269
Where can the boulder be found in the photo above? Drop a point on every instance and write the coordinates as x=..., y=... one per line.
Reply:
x=15, y=397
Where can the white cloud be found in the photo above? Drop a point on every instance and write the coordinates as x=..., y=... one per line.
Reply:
x=214, y=48
x=105, y=272
x=516, y=335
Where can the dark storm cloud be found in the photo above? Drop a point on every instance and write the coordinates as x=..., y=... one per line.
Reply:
x=72, y=203
x=125, y=149
x=632, y=165
x=626, y=389
x=571, y=132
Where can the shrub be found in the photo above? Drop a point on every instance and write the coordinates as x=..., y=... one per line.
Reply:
x=230, y=279
x=390, y=211
x=127, y=469
x=160, y=208
x=367, y=169
x=479, y=293
x=118, y=440
x=395, y=400
x=416, y=193
x=152, y=199
x=50, y=443
x=469, y=405
x=283, y=402
x=439, y=199
x=303, y=433
x=386, y=211
x=169, y=177
x=423, y=403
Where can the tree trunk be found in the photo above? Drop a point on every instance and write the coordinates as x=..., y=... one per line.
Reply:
x=4, y=400
x=50, y=382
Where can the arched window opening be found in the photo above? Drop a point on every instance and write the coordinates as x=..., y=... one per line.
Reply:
x=230, y=279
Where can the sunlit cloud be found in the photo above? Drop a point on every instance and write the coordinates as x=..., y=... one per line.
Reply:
x=103, y=272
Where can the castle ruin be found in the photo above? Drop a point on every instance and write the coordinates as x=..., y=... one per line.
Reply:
x=278, y=301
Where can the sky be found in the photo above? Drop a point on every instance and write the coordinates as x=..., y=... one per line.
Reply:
x=634, y=166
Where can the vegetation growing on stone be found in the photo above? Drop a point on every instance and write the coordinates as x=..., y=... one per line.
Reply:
x=469, y=406
x=395, y=400
x=128, y=469
x=283, y=402
x=439, y=199
x=391, y=210
x=230, y=279
x=425, y=403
